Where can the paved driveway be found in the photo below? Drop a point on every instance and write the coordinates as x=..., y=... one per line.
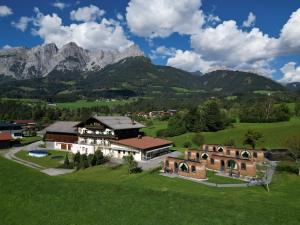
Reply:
x=10, y=154
x=157, y=161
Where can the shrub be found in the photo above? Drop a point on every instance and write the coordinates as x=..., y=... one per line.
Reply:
x=290, y=167
x=187, y=144
x=76, y=160
x=132, y=164
x=92, y=160
x=229, y=142
x=100, y=159
x=84, y=163
x=66, y=161
x=198, y=139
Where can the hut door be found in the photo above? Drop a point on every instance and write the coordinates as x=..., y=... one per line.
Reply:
x=222, y=165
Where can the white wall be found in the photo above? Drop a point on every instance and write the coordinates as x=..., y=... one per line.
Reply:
x=114, y=150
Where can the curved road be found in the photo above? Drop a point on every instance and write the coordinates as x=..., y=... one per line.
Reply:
x=10, y=154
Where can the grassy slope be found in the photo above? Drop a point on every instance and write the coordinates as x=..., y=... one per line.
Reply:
x=47, y=161
x=212, y=177
x=110, y=196
x=88, y=104
x=274, y=133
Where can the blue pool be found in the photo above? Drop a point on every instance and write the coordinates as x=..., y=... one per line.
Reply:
x=38, y=153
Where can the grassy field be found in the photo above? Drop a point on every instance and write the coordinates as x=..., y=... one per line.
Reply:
x=274, y=134
x=89, y=104
x=54, y=159
x=28, y=140
x=110, y=196
x=213, y=178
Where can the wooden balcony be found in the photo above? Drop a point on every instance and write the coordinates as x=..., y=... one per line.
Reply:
x=97, y=136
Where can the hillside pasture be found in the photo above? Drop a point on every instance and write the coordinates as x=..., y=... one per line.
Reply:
x=274, y=134
x=103, y=195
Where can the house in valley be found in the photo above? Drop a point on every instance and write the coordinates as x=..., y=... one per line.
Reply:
x=5, y=140
x=14, y=129
x=115, y=136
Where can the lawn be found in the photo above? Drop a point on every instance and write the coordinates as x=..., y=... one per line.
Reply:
x=110, y=196
x=53, y=160
x=28, y=140
x=88, y=104
x=157, y=125
x=213, y=178
x=274, y=134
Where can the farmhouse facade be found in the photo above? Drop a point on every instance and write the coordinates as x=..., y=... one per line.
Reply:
x=115, y=136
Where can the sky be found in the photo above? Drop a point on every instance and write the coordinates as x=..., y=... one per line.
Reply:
x=261, y=36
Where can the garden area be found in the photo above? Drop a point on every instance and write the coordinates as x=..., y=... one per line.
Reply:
x=54, y=158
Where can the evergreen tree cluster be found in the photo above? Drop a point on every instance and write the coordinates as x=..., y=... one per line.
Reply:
x=208, y=117
x=83, y=161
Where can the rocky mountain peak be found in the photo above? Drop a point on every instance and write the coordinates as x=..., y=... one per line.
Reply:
x=39, y=61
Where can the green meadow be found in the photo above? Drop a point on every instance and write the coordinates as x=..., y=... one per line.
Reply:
x=88, y=104
x=274, y=134
x=54, y=159
x=109, y=196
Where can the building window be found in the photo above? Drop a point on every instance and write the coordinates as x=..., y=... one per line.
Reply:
x=212, y=161
x=246, y=154
x=204, y=156
x=228, y=152
x=176, y=165
x=119, y=152
x=206, y=148
x=237, y=153
x=220, y=149
x=184, y=167
x=197, y=156
x=214, y=149
x=243, y=166
x=255, y=154
x=193, y=169
x=124, y=152
x=133, y=153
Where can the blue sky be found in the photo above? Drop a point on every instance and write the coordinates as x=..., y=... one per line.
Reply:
x=189, y=34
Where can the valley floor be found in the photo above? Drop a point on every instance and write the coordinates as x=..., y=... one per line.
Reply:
x=103, y=195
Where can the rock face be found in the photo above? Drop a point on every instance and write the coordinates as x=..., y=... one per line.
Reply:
x=25, y=63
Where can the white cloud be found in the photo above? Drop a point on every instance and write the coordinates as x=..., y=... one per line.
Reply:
x=290, y=34
x=87, y=13
x=212, y=19
x=120, y=17
x=22, y=24
x=291, y=73
x=161, y=18
x=60, y=5
x=231, y=46
x=5, y=11
x=250, y=22
x=106, y=35
x=190, y=61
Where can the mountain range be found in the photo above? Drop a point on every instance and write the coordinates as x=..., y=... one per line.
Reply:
x=71, y=72
x=25, y=63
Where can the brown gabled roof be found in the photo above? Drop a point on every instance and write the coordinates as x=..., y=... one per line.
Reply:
x=5, y=137
x=24, y=122
x=143, y=143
